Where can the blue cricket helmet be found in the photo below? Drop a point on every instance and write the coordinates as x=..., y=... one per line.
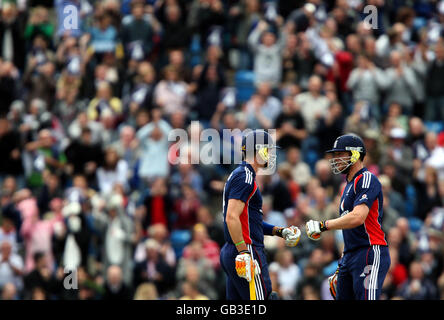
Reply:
x=259, y=142
x=347, y=143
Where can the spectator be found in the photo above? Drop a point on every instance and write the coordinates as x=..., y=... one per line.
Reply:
x=10, y=146
x=40, y=81
x=279, y=189
x=208, y=95
x=154, y=269
x=171, y=92
x=266, y=48
x=302, y=17
x=313, y=103
x=11, y=267
x=191, y=292
x=300, y=170
x=36, y=232
x=397, y=152
x=156, y=206
x=263, y=108
x=44, y=155
x=427, y=193
x=115, y=287
x=205, y=17
x=209, y=247
x=146, y=291
x=329, y=126
x=83, y=156
x=103, y=34
x=141, y=96
x=366, y=83
x=186, y=208
x=114, y=171
x=104, y=103
x=9, y=85
x=402, y=83
x=288, y=273
x=416, y=287
x=9, y=292
x=176, y=34
x=117, y=231
x=41, y=278
x=434, y=91
x=299, y=58
x=290, y=125
x=12, y=35
x=137, y=32
x=158, y=232
x=395, y=198
x=197, y=269
x=244, y=15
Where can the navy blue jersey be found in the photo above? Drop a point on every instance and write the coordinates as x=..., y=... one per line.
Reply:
x=241, y=185
x=364, y=188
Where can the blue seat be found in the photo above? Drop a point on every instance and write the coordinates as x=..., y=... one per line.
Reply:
x=415, y=224
x=179, y=239
x=311, y=157
x=435, y=126
x=330, y=269
x=195, y=51
x=244, y=83
x=410, y=204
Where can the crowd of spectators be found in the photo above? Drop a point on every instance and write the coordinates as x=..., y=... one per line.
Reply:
x=85, y=112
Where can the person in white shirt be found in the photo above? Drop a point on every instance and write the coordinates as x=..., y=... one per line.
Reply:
x=263, y=108
x=11, y=266
x=288, y=273
x=313, y=103
x=114, y=171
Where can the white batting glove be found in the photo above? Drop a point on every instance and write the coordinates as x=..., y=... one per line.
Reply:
x=246, y=266
x=314, y=229
x=291, y=236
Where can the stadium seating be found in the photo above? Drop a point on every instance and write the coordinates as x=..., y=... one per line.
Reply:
x=244, y=83
x=179, y=239
x=435, y=126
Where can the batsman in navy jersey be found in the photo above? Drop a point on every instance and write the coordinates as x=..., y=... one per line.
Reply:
x=365, y=260
x=242, y=257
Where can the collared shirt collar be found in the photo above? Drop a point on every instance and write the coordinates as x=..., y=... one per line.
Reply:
x=358, y=173
x=249, y=166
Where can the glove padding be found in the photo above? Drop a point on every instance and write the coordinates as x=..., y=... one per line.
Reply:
x=246, y=266
x=314, y=229
x=333, y=283
x=291, y=236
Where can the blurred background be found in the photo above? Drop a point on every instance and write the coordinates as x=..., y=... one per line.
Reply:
x=85, y=112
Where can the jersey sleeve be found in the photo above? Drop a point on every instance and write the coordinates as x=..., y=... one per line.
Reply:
x=241, y=187
x=367, y=190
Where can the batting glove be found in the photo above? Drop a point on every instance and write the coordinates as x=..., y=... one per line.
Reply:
x=333, y=283
x=246, y=266
x=290, y=234
x=314, y=229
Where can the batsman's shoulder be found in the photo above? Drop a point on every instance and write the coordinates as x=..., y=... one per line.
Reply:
x=367, y=180
x=241, y=175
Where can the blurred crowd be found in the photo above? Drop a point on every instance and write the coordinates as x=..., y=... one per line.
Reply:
x=92, y=208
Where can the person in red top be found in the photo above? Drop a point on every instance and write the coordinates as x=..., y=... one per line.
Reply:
x=210, y=247
x=186, y=208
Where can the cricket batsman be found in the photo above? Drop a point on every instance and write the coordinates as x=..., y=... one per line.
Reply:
x=365, y=260
x=243, y=257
